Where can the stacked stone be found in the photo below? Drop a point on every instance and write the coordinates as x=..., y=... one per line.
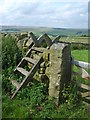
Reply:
x=24, y=41
x=42, y=76
x=23, y=35
x=21, y=39
x=42, y=68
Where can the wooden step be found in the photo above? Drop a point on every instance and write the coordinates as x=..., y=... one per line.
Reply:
x=36, y=57
x=15, y=83
x=88, y=98
x=23, y=71
x=32, y=61
x=23, y=62
x=29, y=77
x=40, y=50
x=85, y=94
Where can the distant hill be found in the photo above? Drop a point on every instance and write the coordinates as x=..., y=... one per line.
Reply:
x=49, y=31
x=10, y=30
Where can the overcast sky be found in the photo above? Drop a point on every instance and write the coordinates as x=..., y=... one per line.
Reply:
x=50, y=13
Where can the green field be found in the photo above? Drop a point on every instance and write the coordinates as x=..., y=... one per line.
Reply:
x=48, y=30
x=81, y=55
x=75, y=39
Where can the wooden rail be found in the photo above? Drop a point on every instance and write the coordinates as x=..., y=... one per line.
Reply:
x=84, y=74
x=81, y=65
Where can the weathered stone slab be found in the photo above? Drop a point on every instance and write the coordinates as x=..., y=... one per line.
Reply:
x=59, y=70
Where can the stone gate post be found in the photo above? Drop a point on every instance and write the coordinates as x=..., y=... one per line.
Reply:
x=59, y=70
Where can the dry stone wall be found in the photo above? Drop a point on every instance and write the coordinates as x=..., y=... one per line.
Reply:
x=55, y=71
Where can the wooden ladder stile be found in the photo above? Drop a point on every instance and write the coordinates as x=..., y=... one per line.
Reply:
x=35, y=63
x=28, y=75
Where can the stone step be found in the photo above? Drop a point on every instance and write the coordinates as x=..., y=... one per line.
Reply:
x=32, y=61
x=23, y=71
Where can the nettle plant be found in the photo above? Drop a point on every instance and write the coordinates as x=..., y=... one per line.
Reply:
x=71, y=95
x=36, y=99
x=11, y=55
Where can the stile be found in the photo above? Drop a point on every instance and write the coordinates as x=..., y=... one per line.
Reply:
x=32, y=61
x=23, y=71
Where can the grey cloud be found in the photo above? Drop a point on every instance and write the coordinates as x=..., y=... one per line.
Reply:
x=46, y=14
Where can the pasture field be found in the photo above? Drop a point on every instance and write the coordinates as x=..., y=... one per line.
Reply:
x=75, y=39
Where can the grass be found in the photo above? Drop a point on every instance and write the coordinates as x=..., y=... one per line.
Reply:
x=81, y=55
x=75, y=39
x=32, y=101
x=21, y=109
x=13, y=108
